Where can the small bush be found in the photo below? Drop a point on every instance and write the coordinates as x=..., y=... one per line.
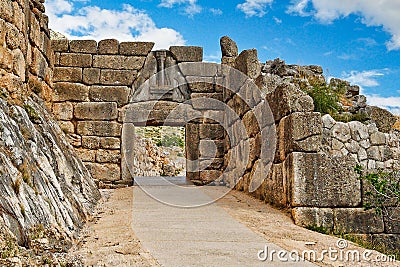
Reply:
x=347, y=117
x=32, y=114
x=325, y=99
x=170, y=141
x=384, y=190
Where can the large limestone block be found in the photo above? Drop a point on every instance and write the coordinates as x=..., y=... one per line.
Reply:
x=301, y=132
x=83, y=46
x=187, y=53
x=117, y=77
x=135, y=48
x=108, y=156
x=286, y=99
x=63, y=111
x=118, y=62
x=108, y=47
x=65, y=91
x=384, y=119
x=106, y=172
x=248, y=63
x=96, y=111
x=392, y=221
x=314, y=217
x=119, y=94
x=75, y=60
x=99, y=128
x=67, y=74
x=228, y=47
x=317, y=180
x=357, y=220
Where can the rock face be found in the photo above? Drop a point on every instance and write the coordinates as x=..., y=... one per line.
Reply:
x=42, y=181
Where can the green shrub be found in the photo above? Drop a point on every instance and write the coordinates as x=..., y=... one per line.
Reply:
x=347, y=117
x=32, y=114
x=170, y=141
x=325, y=99
x=383, y=189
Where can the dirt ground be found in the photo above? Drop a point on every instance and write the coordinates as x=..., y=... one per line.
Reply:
x=108, y=239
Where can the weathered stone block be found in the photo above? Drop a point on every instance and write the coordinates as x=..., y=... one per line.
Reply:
x=358, y=221
x=286, y=99
x=248, y=63
x=86, y=155
x=74, y=139
x=61, y=45
x=67, y=127
x=67, y=74
x=119, y=94
x=251, y=124
x=378, y=138
x=318, y=180
x=108, y=156
x=314, y=217
x=207, y=101
x=83, y=46
x=75, y=60
x=211, y=131
x=301, y=132
x=91, y=76
x=110, y=143
x=392, y=221
x=384, y=119
x=91, y=142
x=341, y=131
x=118, y=62
x=212, y=164
x=209, y=149
x=187, y=53
x=208, y=176
x=108, y=47
x=228, y=47
x=63, y=111
x=19, y=64
x=99, y=128
x=135, y=48
x=64, y=91
x=39, y=64
x=117, y=77
x=106, y=172
x=6, y=59
x=201, y=84
x=96, y=111
x=276, y=185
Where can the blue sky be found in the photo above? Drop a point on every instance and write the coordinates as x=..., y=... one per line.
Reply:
x=358, y=40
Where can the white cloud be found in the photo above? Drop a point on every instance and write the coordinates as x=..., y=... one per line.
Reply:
x=298, y=7
x=364, y=78
x=92, y=22
x=255, y=7
x=191, y=7
x=216, y=11
x=383, y=13
x=277, y=20
x=390, y=103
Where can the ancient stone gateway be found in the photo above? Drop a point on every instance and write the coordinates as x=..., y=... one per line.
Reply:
x=105, y=89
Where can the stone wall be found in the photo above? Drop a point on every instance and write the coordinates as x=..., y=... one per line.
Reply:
x=313, y=167
x=96, y=84
x=43, y=184
x=26, y=58
x=92, y=81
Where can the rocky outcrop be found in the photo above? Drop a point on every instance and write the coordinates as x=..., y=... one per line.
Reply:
x=42, y=181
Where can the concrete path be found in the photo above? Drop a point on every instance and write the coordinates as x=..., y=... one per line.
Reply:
x=201, y=236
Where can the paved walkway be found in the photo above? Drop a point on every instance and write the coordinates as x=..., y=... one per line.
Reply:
x=201, y=236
